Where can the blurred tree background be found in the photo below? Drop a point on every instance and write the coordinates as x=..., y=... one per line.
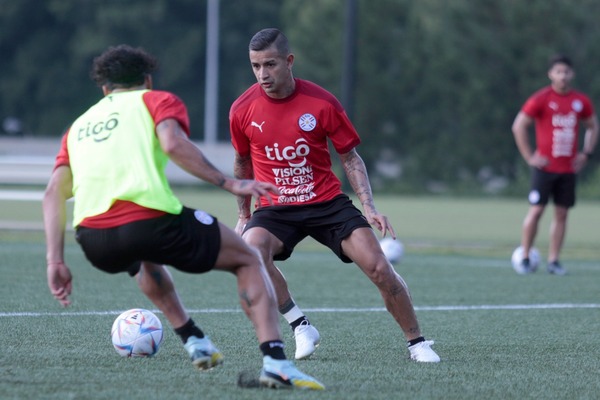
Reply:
x=437, y=83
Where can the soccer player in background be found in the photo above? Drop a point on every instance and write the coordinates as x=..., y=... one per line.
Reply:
x=557, y=110
x=127, y=219
x=280, y=129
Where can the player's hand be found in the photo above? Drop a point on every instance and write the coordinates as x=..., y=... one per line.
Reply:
x=59, y=282
x=537, y=160
x=381, y=222
x=249, y=187
x=579, y=162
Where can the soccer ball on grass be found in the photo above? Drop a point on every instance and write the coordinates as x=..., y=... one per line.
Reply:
x=137, y=333
x=517, y=257
x=393, y=249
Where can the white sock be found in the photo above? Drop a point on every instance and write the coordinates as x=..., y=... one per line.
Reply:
x=293, y=314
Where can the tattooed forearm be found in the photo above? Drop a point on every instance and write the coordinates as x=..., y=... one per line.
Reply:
x=242, y=169
x=217, y=176
x=243, y=203
x=356, y=171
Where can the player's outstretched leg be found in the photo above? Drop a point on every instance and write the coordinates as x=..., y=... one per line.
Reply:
x=259, y=302
x=156, y=283
x=363, y=248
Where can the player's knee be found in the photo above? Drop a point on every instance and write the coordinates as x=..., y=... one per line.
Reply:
x=380, y=272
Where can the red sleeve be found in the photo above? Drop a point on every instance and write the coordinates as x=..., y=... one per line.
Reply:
x=531, y=106
x=588, y=108
x=62, y=158
x=163, y=105
x=239, y=140
x=344, y=136
x=238, y=119
x=335, y=121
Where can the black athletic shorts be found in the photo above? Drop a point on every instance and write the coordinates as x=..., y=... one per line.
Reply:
x=561, y=187
x=329, y=223
x=189, y=242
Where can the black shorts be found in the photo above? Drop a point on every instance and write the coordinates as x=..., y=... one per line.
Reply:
x=189, y=242
x=561, y=187
x=329, y=223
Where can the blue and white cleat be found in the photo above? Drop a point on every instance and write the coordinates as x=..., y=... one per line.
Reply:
x=283, y=374
x=203, y=353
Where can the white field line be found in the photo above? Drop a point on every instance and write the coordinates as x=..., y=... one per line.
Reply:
x=323, y=310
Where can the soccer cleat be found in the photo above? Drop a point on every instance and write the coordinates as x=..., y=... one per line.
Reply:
x=555, y=268
x=203, y=353
x=283, y=374
x=307, y=340
x=422, y=352
x=523, y=267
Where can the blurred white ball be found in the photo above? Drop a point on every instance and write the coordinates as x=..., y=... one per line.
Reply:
x=393, y=249
x=517, y=257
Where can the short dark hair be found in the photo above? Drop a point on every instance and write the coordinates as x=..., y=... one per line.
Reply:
x=122, y=66
x=559, y=59
x=267, y=37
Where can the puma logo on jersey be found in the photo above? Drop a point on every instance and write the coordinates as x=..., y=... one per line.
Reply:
x=257, y=125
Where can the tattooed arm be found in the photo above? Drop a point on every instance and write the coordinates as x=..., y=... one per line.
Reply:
x=356, y=171
x=190, y=158
x=242, y=169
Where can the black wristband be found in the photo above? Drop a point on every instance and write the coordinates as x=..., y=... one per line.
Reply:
x=588, y=155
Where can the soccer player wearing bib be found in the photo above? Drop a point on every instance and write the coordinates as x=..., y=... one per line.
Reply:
x=557, y=111
x=280, y=129
x=127, y=219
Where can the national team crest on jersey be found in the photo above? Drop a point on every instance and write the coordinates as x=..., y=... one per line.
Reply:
x=307, y=122
x=577, y=105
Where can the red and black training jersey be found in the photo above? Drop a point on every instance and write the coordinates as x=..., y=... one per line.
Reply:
x=288, y=140
x=557, y=119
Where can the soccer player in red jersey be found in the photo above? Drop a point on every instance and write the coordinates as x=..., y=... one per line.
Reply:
x=280, y=128
x=557, y=111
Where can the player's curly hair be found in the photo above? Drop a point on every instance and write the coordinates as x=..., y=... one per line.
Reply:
x=122, y=66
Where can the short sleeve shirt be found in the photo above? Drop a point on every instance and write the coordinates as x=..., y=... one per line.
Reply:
x=557, y=119
x=288, y=140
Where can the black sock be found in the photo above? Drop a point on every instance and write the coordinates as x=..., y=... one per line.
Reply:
x=187, y=330
x=297, y=322
x=415, y=341
x=273, y=349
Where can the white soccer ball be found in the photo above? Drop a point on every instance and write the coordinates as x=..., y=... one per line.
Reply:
x=517, y=257
x=393, y=249
x=137, y=333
